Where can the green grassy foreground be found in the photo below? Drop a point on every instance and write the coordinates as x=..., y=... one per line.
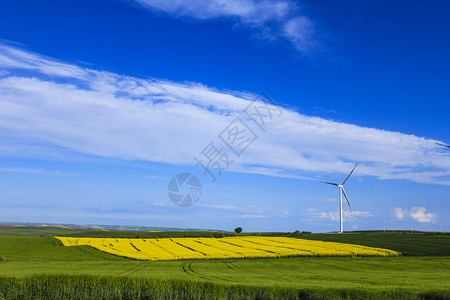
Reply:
x=408, y=277
x=96, y=287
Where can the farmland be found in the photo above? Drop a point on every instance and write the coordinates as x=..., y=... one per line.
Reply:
x=35, y=230
x=85, y=269
x=225, y=248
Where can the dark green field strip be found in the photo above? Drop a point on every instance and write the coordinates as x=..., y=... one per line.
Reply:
x=36, y=231
x=406, y=243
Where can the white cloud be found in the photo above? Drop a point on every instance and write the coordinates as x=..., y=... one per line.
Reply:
x=52, y=108
x=248, y=216
x=331, y=199
x=300, y=31
x=162, y=203
x=400, y=213
x=268, y=18
x=248, y=11
x=419, y=214
x=334, y=216
x=358, y=214
x=218, y=206
x=36, y=171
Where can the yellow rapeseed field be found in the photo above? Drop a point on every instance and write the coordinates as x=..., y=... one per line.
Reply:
x=222, y=248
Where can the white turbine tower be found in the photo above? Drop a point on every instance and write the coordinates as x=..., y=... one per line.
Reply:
x=342, y=190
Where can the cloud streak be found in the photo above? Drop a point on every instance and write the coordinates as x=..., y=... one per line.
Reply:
x=334, y=216
x=269, y=19
x=49, y=107
x=36, y=171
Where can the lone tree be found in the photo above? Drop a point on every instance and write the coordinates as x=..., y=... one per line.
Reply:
x=238, y=230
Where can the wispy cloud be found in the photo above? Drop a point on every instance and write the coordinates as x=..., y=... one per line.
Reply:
x=157, y=177
x=300, y=31
x=269, y=19
x=218, y=206
x=36, y=171
x=334, y=216
x=248, y=212
x=253, y=216
x=48, y=107
x=417, y=213
x=331, y=199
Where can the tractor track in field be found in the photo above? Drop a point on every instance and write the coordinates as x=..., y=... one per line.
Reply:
x=187, y=268
x=134, y=270
x=340, y=268
x=234, y=267
x=278, y=266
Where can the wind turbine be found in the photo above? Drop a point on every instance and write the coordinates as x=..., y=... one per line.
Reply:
x=342, y=190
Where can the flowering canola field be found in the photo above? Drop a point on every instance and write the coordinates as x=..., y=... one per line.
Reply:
x=222, y=248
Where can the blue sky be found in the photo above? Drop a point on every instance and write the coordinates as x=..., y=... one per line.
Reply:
x=103, y=102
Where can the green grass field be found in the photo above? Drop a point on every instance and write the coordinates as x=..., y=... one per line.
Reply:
x=423, y=274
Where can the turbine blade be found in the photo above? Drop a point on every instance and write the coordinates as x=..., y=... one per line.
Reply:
x=346, y=198
x=443, y=145
x=330, y=183
x=349, y=175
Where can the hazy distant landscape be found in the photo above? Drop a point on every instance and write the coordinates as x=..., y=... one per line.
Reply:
x=48, y=228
